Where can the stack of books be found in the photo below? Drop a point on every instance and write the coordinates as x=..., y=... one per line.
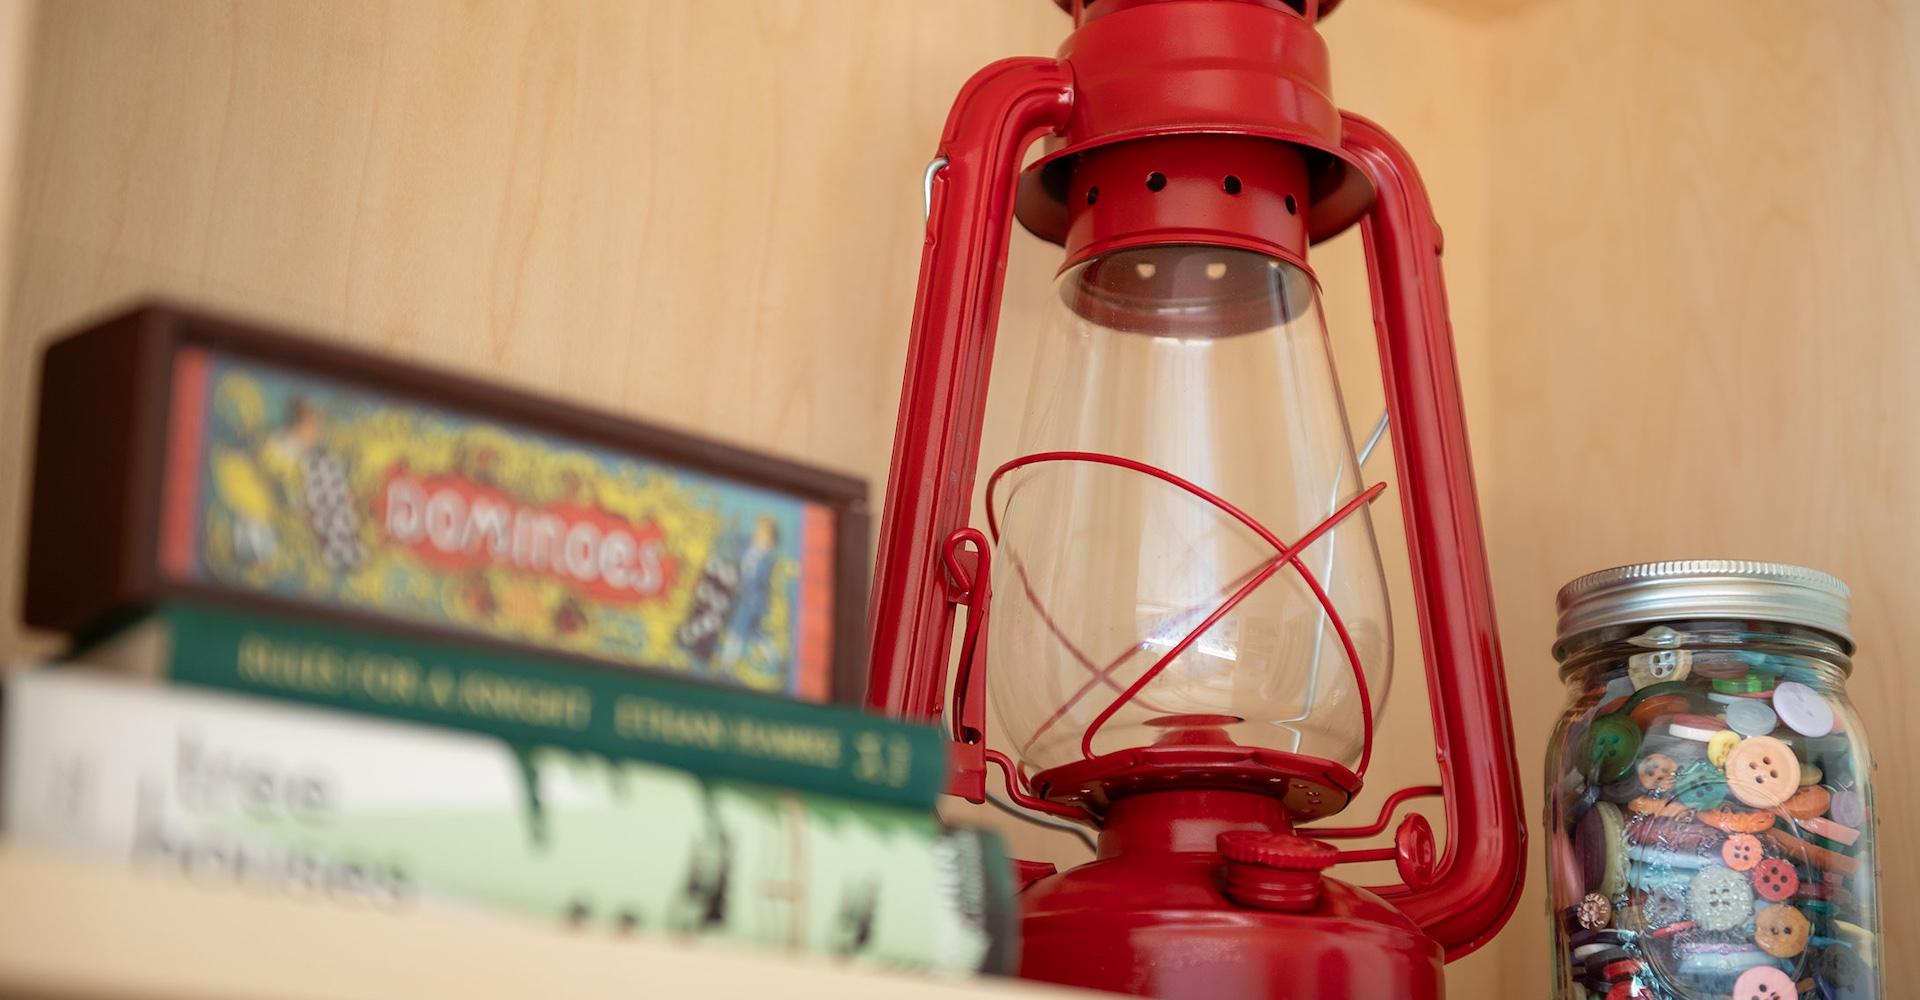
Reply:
x=348, y=630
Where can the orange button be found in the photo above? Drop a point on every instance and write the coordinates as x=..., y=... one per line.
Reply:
x=1656, y=772
x=1808, y=802
x=1741, y=851
x=1734, y=821
x=1781, y=931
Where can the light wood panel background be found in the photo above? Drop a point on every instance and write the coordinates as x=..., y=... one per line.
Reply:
x=1680, y=250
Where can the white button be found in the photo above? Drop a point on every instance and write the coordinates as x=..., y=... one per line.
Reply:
x=1802, y=709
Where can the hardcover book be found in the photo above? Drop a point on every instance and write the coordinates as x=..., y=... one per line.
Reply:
x=526, y=699
x=363, y=812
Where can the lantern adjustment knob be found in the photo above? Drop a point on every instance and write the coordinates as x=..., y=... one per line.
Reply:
x=1274, y=871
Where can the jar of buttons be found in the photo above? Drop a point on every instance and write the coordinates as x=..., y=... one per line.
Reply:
x=1709, y=802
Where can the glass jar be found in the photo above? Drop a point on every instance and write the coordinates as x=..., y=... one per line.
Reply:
x=1709, y=807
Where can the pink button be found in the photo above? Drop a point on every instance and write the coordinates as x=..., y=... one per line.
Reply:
x=1764, y=982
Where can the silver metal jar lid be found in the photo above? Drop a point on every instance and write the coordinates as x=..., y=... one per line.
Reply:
x=1704, y=588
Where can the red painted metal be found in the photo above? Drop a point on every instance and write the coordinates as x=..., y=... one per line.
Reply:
x=1477, y=880
x=969, y=565
x=936, y=442
x=1198, y=68
x=1380, y=823
x=1221, y=190
x=1202, y=86
x=1149, y=916
x=1308, y=787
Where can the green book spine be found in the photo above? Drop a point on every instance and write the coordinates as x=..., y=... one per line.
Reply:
x=710, y=730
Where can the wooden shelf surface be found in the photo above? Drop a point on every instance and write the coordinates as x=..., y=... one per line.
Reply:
x=71, y=929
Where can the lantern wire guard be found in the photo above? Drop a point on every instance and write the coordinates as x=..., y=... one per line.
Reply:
x=1046, y=794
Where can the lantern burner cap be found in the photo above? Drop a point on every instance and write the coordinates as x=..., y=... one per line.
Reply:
x=1309, y=788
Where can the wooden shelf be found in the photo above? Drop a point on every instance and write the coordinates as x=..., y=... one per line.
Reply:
x=75, y=930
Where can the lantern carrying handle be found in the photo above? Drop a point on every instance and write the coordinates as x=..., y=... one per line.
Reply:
x=1476, y=881
x=969, y=201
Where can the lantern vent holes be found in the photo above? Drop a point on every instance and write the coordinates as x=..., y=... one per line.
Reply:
x=1292, y=207
x=1230, y=185
x=1093, y=194
x=1156, y=181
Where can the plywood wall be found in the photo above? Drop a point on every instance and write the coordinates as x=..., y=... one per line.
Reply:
x=1706, y=278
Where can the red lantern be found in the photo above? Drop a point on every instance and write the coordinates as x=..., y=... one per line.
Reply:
x=1189, y=629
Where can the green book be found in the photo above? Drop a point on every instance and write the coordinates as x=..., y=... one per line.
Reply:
x=715, y=731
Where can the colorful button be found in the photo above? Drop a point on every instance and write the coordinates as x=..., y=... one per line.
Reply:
x=1700, y=785
x=1803, y=709
x=1812, y=854
x=1647, y=805
x=1621, y=971
x=1735, y=820
x=1719, y=899
x=1675, y=832
x=1669, y=858
x=1698, y=728
x=1718, y=964
x=1600, y=843
x=1807, y=803
x=1751, y=683
x=1656, y=771
x=1718, y=665
x=1775, y=880
x=1612, y=741
x=1764, y=982
x=1848, y=808
x=1762, y=772
x=1741, y=851
x=1859, y=937
x=1751, y=718
x=1661, y=665
x=1721, y=745
x=1644, y=714
x=1781, y=931
x=1595, y=912
x=1569, y=882
x=1810, y=774
x=1843, y=835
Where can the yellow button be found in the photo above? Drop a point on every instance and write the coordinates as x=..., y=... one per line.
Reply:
x=1721, y=747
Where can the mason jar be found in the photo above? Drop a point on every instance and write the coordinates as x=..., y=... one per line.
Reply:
x=1709, y=806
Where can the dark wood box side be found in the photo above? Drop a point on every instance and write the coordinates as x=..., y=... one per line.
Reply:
x=98, y=449
x=852, y=560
